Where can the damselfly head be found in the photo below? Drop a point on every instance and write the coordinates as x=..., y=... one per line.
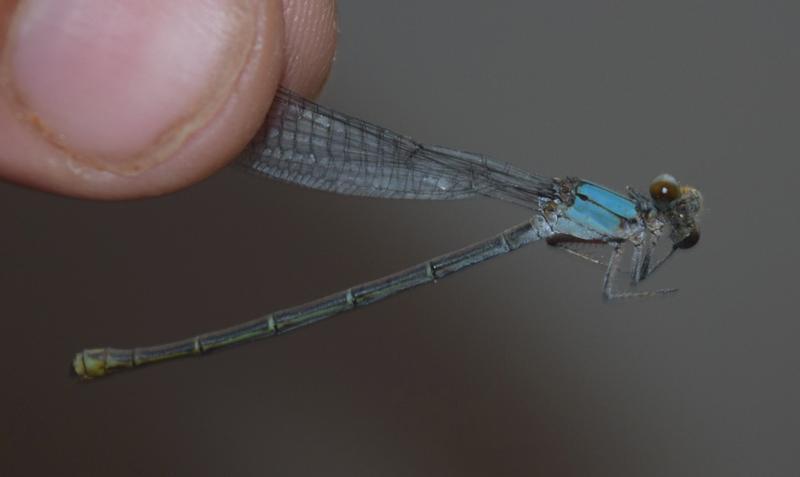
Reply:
x=680, y=206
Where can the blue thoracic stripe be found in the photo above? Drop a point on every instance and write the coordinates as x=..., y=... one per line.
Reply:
x=597, y=213
x=599, y=220
x=609, y=200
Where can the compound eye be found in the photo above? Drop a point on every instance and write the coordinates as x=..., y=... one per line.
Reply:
x=664, y=189
x=690, y=240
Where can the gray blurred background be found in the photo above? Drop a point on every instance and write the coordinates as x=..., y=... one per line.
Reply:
x=512, y=368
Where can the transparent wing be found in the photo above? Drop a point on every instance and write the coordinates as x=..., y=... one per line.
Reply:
x=307, y=144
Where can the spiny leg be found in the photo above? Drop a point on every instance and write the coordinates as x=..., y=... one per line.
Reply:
x=609, y=294
x=569, y=248
x=658, y=264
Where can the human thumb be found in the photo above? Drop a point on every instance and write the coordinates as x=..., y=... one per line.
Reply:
x=127, y=99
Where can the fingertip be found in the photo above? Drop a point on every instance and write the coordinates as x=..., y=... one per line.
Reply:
x=310, y=44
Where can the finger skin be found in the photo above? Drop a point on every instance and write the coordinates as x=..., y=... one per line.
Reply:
x=310, y=44
x=291, y=42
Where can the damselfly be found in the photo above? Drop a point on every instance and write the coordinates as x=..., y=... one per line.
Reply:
x=309, y=145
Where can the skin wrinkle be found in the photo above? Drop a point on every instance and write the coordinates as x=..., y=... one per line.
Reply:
x=174, y=136
x=7, y=7
x=309, y=37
